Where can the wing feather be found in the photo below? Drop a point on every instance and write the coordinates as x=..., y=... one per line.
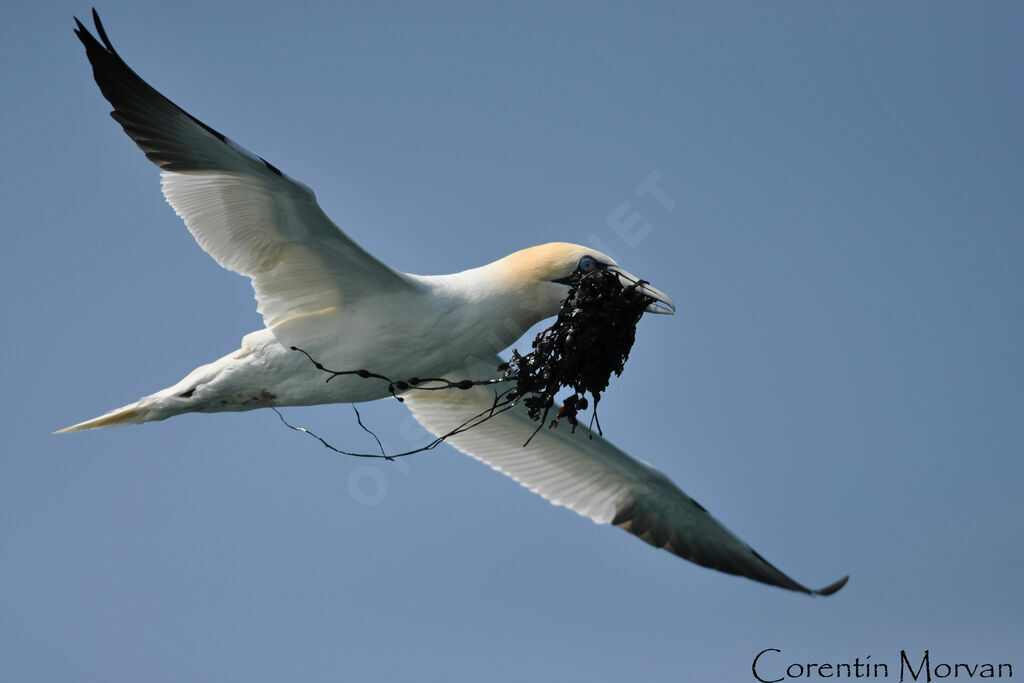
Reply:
x=242, y=210
x=594, y=478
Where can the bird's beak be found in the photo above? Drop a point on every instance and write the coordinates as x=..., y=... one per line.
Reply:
x=662, y=302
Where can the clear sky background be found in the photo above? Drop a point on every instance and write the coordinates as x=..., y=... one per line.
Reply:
x=841, y=385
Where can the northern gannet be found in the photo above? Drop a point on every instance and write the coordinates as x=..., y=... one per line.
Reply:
x=318, y=290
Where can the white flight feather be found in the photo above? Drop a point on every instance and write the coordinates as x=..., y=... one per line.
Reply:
x=271, y=229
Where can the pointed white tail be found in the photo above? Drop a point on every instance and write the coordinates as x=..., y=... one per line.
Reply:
x=130, y=414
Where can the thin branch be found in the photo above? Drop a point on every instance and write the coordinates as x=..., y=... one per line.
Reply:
x=501, y=404
x=394, y=386
x=359, y=419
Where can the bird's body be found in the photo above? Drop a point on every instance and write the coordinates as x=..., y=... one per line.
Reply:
x=430, y=327
x=324, y=299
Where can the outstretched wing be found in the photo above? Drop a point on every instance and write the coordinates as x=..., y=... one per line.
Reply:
x=593, y=478
x=244, y=212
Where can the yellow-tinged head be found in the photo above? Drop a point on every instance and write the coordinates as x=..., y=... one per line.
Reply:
x=549, y=262
x=542, y=274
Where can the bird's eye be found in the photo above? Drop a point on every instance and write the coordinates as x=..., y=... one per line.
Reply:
x=587, y=264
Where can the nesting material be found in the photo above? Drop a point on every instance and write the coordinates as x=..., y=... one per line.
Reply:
x=590, y=339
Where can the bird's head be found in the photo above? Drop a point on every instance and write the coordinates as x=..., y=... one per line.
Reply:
x=541, y=275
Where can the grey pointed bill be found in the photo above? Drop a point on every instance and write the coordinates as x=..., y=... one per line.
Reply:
x=662, y=303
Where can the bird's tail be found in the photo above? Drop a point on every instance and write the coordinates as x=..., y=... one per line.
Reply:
x=134, y=413
x=174, y=400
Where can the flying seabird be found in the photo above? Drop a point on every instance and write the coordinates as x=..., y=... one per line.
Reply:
x=319, y=291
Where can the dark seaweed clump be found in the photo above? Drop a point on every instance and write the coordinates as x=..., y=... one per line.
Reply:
x=590, y=339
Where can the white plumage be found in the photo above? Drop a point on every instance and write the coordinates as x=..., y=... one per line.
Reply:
x=318, y=290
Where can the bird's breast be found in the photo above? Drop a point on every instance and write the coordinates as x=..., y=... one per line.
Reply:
x=401, y=337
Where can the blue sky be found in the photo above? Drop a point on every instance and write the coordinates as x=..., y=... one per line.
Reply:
x=841, y=385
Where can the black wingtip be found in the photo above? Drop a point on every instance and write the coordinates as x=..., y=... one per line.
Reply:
x=102, y=32
x=136, y=103
x=832, y=588
x=86, y=36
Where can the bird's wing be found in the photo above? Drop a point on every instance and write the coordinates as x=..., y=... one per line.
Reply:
x=244, y=212
x=591, y=476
